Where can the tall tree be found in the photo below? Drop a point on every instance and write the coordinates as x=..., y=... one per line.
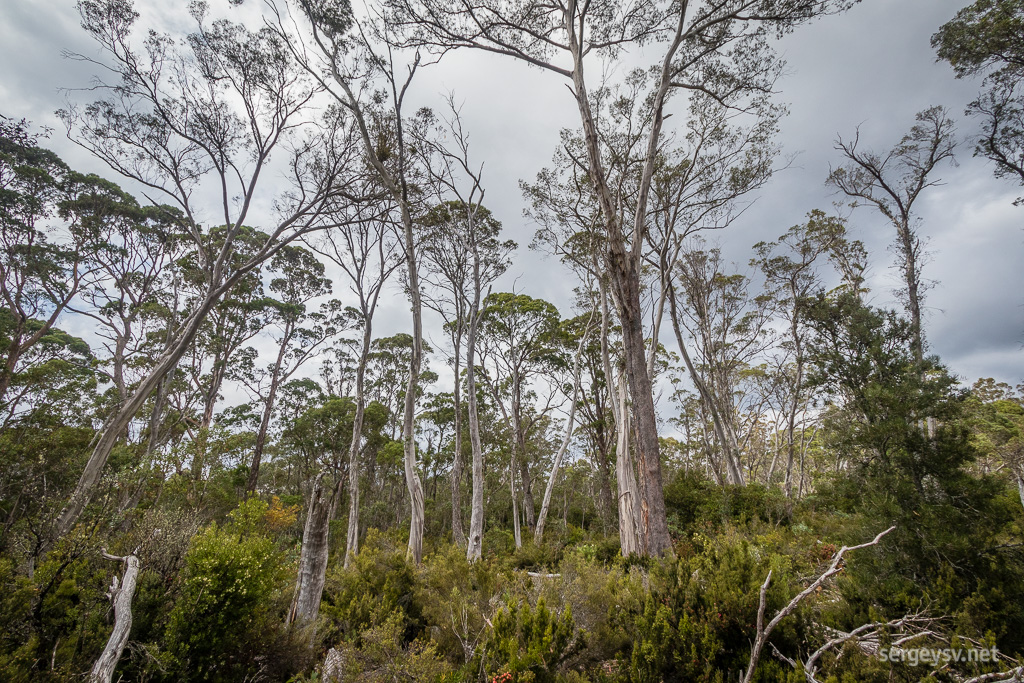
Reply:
x=522, y=335
x=730, y=330
x=368, y=253
x=352, y=62
x=210, y=111
x=301, y=334
x=461, y=239
x=42, y=268
x=892, y=184
x=718, y=50
x=987, y=37
x=790, y=268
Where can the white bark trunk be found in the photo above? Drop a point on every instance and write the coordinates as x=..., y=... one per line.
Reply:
x=474, y=544
x=538, y=533
x=352, y=538
x=629, y=538
x=309, y=585
x=121, y=594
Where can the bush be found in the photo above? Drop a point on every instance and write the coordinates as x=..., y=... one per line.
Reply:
x=224, y=623
x=527, y=645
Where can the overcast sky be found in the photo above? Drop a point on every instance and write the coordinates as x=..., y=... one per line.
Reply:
x=871, y=67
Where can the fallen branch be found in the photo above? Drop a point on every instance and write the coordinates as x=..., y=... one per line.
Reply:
x=763, y=631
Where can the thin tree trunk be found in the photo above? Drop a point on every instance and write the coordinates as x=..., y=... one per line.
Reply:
x=723, y=431
x=474, y=544
x=458, y=533
x=268, y=411
x=412, y=479
x=352, y=538
x=538, y=533
x=516, y=529
x=121, y=594
x=524, y=472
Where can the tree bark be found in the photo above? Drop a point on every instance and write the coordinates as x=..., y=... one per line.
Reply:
x=629, y=501
x=352, y=538
x=309, y=585
x=121, y=594
x=458, y=533
x=474, y=544
x=412, y=479
x=538, y=533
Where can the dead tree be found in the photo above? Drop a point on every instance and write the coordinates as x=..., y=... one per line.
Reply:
x=309, y=586
x=892, y=184
x=121, y=593
x=763, y=631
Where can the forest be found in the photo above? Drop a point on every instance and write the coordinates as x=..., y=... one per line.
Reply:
x=223, y=459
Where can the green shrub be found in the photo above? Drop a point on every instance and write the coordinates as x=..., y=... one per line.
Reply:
x=527, y=645
x=225, y=619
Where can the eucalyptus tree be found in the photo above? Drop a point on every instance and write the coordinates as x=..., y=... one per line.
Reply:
x=730, y=330
x=790, y=267
x=197, y=123
x=235, y=319
x=521, y=335
x=368, y=254
x=323, y=434
x=986, y=38
x=581, y=328
x=715, y=50
x=461, y=239
x=42, y=267
x=463, y=255
x=892, y=183
x=299, y=278
x=139, y=247
x=353, y=61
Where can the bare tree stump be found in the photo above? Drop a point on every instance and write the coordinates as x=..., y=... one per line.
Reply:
x=121, y=593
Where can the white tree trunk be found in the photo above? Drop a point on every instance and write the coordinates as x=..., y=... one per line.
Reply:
x=629, y=539
x=121, y=594
x=352, y=538
x=538, y=533
x=309, y=585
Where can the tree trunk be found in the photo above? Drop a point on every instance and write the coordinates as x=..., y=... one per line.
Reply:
x=723, y=430
x=474, y=544
x=911, y=275
x=352, y=538
x=524, y=471
x=120, y=420
x=624, y=273
x=309, y=585
x=268, y=411
x=538, y=533
x=121, y=595
x=412, y=479
x=629, y=540
x=458, y=533
x=516, y=529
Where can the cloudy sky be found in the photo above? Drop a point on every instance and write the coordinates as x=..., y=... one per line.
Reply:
x=871, y=67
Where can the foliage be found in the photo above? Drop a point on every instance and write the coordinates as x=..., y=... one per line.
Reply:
x=232, y=581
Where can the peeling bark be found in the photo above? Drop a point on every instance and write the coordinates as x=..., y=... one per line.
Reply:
x=309, y=585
